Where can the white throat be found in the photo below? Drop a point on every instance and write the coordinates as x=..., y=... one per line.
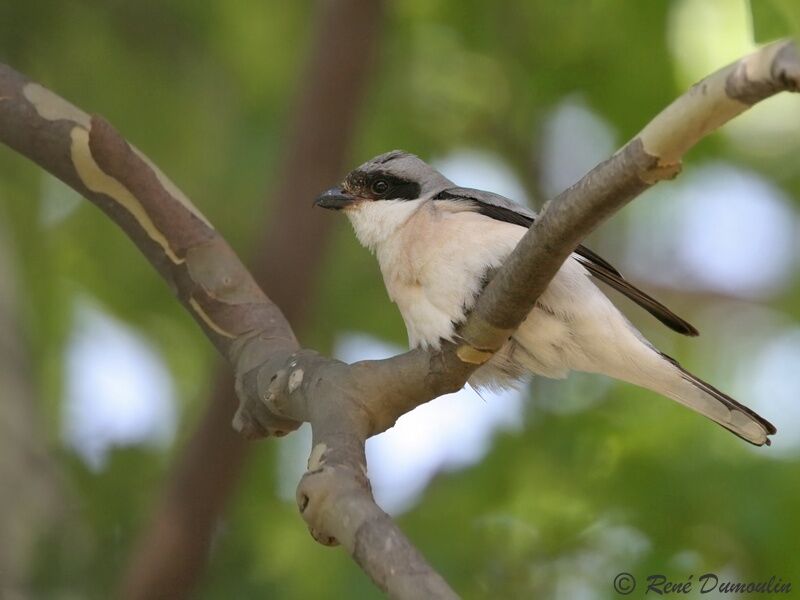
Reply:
x=375, y=222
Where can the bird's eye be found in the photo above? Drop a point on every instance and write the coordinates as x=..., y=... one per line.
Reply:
x=379, y=187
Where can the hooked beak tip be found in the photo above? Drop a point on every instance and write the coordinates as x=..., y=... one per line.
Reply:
x=334, y=199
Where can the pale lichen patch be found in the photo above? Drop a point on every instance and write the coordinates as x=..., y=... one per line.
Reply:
x=238, y=421
x=295, y=379
x=468, y=354
x=208, y=320
x=317, y=456
x=660, y=172
x=53, y=107
x=172, y=189
x=96, y=180
x=758, y=66
x=678, y=127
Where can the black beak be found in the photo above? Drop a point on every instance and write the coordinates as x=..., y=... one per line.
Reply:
x=335, y=199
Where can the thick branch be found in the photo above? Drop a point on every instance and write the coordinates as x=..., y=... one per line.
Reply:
x=205, y=274
x=197, y=263
x=173, y=548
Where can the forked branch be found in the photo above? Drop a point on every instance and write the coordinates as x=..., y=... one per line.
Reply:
x=280, y=385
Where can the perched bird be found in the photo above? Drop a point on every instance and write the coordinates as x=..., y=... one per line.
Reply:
x=438, y=245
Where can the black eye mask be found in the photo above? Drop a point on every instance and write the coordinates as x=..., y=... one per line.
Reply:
x=398, y=188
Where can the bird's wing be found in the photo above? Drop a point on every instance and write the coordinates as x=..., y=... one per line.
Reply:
x=500, y=208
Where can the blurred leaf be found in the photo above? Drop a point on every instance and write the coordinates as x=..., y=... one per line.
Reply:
x=773, y=19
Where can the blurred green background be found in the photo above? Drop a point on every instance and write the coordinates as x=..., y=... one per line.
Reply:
x=105, y=376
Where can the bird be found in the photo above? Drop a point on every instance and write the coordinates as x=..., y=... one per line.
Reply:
x=438, y=244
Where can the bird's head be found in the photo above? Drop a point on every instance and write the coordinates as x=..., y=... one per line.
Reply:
x=395, y=175
x=379, y=195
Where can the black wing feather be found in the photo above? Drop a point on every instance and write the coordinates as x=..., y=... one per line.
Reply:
x=654, y=307
x=492, y=205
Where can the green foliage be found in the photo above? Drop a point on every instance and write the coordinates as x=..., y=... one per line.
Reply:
x=630, y=483
x=774, y=19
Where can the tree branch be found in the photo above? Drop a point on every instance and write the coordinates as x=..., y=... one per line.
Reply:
x=280, y=385
x=33, y=496
x=651, y=156
x=173, y=547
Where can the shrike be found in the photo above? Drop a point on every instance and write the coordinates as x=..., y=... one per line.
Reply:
x=438, y=245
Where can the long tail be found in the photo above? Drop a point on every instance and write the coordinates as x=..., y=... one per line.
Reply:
x=677, y=383
x=591, y=335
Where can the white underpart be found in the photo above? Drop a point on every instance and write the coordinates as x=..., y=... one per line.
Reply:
x=434, y=256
